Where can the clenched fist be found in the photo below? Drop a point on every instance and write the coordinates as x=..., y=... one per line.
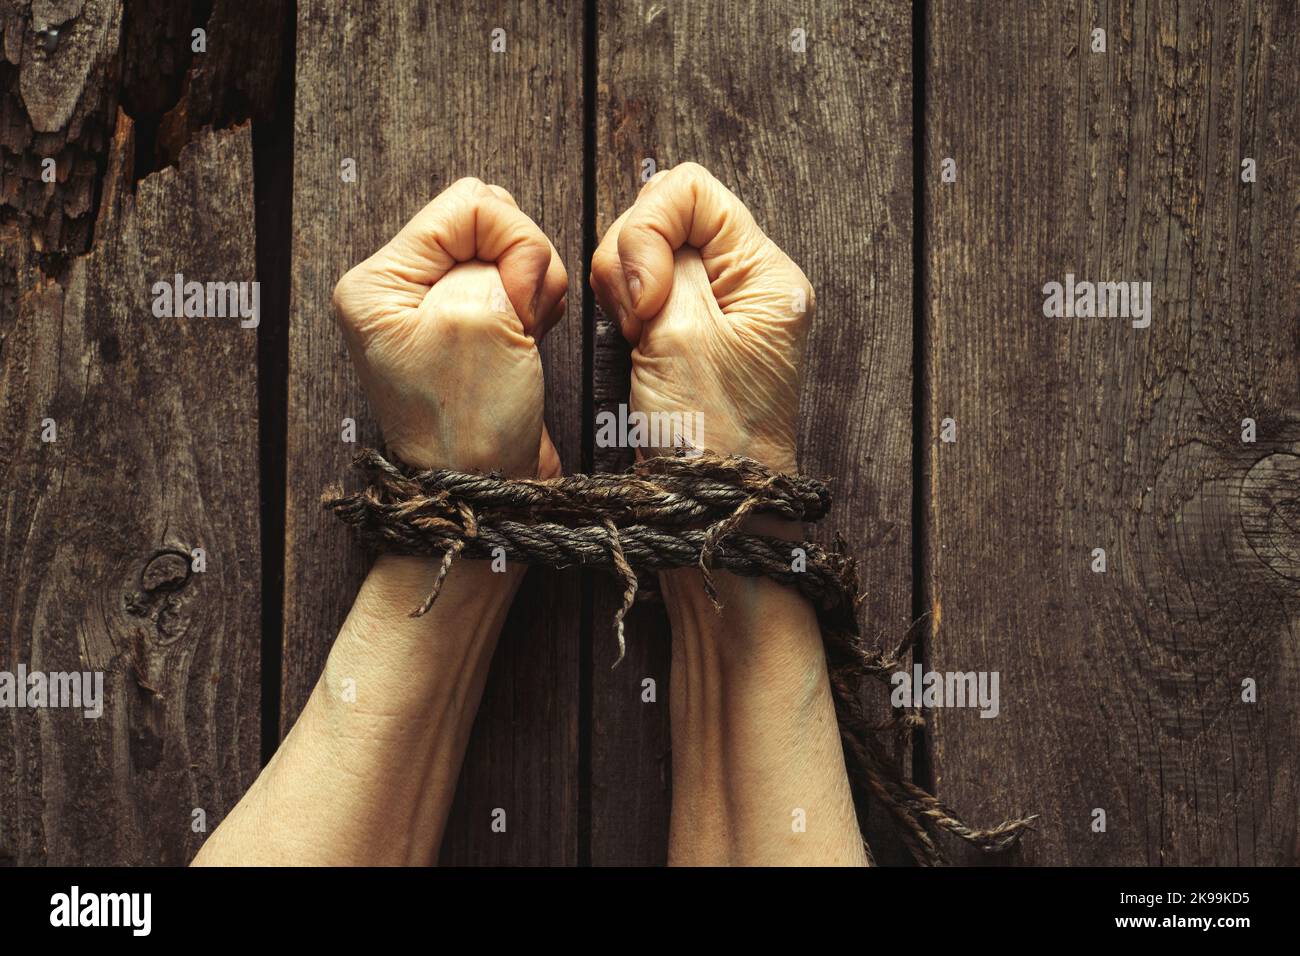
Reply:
x=443, y=323
x=717, y=313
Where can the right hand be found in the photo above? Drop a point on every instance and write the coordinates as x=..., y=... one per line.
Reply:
x=717, y=314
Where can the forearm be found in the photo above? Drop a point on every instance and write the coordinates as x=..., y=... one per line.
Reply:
x=367, y=774
x=756, y=746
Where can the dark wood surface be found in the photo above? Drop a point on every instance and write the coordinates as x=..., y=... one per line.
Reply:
x=155, y=456
x=156, y=450
x=818, y=145
x=1120, y=690
x=413, y=94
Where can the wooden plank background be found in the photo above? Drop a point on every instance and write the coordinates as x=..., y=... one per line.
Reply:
x=1119, y=691
x=156, y=454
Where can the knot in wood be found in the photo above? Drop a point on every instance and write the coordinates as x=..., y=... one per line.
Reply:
x=1270, y=512
x=165, y=571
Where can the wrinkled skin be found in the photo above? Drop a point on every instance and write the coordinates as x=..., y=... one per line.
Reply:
x=443, y=323
x=717, y=314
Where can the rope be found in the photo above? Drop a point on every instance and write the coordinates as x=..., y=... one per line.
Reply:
x=672, y=512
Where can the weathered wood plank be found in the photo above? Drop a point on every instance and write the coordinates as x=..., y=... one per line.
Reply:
x=66, y=66
x=156, y=455
x=413, y=94
x=818, y=145
x=1119, y=690
x=58, y=100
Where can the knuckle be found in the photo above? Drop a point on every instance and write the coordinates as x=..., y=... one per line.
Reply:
x=694, y=178
x=604, y=261
x=692, y=171
x=656, y=178
x=345, y=291
x=554, y=316
x=796, y=273
x=469, y=184
x=799, y=282
x=536, y=241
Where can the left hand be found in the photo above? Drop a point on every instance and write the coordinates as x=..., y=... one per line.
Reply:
x=443, y=323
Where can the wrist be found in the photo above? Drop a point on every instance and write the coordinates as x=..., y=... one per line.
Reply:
x=425, y=455
x=742, y=599
x=766, y=634
x=410, y=668
x=398, y=584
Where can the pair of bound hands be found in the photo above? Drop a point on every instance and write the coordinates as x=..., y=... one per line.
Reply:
x=443, y=324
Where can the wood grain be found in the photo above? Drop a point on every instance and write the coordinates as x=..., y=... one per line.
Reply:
x=413, y=94
x=1119, y=690
x=58, y=100
x=156, y=454
x=818, y=145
